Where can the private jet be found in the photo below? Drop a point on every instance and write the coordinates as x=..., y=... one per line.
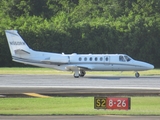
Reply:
x=77, y=63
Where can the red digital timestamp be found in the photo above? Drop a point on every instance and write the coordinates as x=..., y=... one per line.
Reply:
x=120, y=103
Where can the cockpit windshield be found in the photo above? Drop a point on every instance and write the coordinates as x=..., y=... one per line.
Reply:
x=127, y=58
x=124, y=58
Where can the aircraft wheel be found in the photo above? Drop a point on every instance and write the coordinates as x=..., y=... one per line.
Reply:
x=82, y=73
x=137, y=75
x=76, y=76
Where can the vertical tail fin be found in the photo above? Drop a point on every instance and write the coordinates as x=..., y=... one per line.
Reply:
x=16, y=44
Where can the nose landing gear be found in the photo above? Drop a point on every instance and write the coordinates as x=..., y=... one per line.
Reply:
x=137, y=75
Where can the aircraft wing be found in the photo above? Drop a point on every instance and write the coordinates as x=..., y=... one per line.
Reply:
x=77, y=67
x=52, y=62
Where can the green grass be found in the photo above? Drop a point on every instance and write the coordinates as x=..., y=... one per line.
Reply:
x=47, y=71
x=29, y=70
x=72, y=106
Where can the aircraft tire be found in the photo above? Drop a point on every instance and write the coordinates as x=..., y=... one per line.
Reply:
x=82, y=73
x=76, y=76
x=137, y=75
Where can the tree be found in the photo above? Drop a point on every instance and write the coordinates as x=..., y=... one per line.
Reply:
x=92, y=26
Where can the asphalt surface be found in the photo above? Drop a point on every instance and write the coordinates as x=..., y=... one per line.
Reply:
x=80, y=117
x=66, y=85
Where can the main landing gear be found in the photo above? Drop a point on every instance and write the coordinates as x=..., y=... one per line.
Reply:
x=76, y=76
x=137, y=75
x=80, y=73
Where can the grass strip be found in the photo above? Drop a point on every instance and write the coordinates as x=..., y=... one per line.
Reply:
x=47, y=71
x=74, y=106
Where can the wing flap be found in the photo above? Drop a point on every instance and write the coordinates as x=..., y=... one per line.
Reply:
x=76, y=67
x=51, y=62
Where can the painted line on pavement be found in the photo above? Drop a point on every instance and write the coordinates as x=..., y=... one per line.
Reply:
x=37, y=95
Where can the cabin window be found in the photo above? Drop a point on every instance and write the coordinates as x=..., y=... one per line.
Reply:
x=90, y=58
x=95, y=58
x=106, y=58
x=101, y=58
x=85, y=59
x=121, y=58
x=80, y=59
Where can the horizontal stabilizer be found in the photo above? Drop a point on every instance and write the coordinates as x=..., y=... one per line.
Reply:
x=20, y=51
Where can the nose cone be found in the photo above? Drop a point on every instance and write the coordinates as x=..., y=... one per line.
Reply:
x=150, y=66
x=144, y=66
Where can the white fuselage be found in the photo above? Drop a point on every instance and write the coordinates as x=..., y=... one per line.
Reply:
x=94, y=62
x=78, y=63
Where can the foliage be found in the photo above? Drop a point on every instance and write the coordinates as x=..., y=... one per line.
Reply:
x=93, y=26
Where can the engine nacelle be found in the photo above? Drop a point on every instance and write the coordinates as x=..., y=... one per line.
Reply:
x=59, y=59
x=56, y=59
